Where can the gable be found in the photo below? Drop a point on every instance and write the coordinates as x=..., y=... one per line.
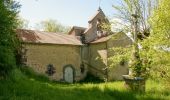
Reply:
x=119, y=40
x=99, y=14
x=93, y=29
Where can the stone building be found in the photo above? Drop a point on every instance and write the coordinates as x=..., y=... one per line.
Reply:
x=68, y=57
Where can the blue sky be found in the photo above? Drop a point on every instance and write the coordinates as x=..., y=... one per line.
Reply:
x=67, y=12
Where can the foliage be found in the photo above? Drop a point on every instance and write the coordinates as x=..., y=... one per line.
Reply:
x=52, y=26
x=7, y=60
x=125, y=10
x=22, y=23
x=26, y=88
x=8, y=39
x=157, y=46
x=121, y=55
x=141, y=67
x=160, y=22
x=136, y=13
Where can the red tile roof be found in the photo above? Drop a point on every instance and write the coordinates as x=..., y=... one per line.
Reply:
x=33, y=36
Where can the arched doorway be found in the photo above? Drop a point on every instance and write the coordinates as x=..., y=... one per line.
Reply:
x=68, y=74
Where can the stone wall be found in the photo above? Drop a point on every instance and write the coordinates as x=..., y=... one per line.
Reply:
x=91, y=34
x=93, y=58
x=116, y=71
x=39, y=56
x=98, y=59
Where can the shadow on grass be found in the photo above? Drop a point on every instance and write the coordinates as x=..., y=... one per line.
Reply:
x=37, y=90
x=25, y=88
x=92, y=79
x=31, y=74
x=30, y=90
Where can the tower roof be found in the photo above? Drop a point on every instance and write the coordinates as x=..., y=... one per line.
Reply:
x=99, y=11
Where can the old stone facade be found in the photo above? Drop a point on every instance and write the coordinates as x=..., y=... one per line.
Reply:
x=69, y=57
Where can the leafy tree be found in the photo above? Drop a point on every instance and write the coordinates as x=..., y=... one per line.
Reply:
x=157, y=47
x=23, y=23
x=136, y=13
x=52, y=26
x=143, y=8
x=8, y=39
x=155, y=52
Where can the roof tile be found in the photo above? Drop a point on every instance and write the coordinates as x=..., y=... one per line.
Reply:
x=33, y=36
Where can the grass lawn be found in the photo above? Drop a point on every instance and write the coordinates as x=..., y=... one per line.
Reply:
x=22, y=87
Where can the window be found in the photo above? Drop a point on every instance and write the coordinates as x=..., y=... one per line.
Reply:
x=99, y=27
x=82, y=68
x=50, y=70
x=23, y=58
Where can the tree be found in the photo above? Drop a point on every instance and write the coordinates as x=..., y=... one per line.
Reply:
x=144, y=10
x=22, y=23
x=135, y=15
x=8, y=39
x=52, y=26
x=157, y=47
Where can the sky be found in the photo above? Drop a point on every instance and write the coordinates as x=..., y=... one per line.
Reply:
x=67, y=12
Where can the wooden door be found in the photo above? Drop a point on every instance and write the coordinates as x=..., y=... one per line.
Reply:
x=68, y=74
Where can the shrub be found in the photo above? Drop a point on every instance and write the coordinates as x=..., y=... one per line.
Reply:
x=7, y=60
x=8, y=40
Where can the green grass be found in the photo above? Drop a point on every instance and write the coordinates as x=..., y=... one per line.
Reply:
x=25, y=87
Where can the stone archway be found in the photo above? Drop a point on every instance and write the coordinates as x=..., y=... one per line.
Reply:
x=68, y=74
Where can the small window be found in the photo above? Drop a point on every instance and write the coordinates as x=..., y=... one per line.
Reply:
x=82, y=68
x=24, y=59
x=50, y=70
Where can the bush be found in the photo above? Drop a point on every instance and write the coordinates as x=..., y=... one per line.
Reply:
x=8, y=40
x=7, y=60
